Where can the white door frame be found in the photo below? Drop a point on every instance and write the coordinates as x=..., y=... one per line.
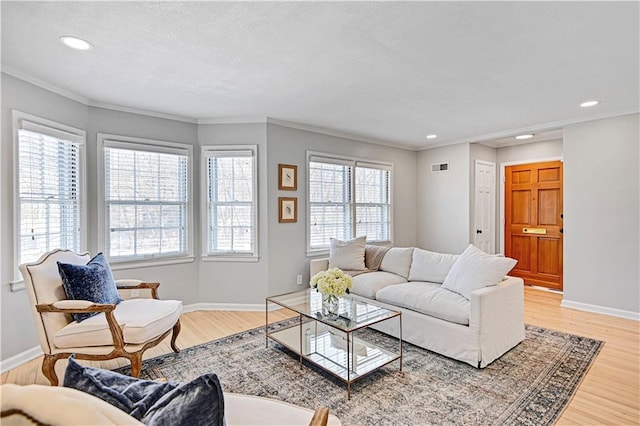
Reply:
x=503, y=166
x=492, y=204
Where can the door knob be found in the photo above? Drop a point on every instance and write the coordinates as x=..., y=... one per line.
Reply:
x=478, y=231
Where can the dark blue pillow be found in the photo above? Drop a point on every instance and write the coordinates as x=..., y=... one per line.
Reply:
x=93, y=282
x=199, y=402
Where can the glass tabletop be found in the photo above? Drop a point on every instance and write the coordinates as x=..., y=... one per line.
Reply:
x=352, y=314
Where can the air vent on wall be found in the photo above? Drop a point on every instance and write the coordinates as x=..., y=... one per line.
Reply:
x=442, y=167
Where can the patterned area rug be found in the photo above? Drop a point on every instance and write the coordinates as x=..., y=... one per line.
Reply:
x=531, y=384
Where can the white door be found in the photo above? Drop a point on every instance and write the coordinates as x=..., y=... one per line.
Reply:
x=485, y=206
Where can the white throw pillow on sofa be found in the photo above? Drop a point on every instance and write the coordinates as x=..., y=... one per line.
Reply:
x=430, y=266
x=476, y=269
x=347, y=255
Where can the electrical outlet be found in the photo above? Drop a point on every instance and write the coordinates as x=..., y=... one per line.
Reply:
x=135, y=293
x=299, y=280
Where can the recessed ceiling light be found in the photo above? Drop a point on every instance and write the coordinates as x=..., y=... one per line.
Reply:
x=76, y=43
x=432, y=136
x=587, y=104
x=527, y=136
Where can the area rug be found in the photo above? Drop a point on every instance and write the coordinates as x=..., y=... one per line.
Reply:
x=531, y=384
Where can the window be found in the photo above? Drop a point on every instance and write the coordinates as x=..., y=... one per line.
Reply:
x=146, y=198
x=229, y=174
x=49, y=173
x=347, y=198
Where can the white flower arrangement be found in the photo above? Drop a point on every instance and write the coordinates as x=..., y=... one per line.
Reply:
x=332, y=282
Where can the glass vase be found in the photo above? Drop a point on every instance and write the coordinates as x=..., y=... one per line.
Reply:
x=330, y=306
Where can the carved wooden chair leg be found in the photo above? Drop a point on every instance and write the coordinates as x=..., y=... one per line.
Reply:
x=174, y=336
x=136, y=364
x=48, y=369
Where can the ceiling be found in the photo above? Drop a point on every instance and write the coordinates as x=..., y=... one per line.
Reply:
x=388, y=72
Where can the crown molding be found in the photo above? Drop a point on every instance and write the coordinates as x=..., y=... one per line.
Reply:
x=535, y=128
x=337, y=133
x=233, y=120
x=43, y=84
x=105, y=105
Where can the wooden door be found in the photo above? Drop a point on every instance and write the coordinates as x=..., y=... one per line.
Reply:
x=533, y=222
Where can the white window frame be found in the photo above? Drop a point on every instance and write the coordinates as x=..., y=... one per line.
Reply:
x=26, y=121
x=207, y=152
x=151, y=145
x=353, y=162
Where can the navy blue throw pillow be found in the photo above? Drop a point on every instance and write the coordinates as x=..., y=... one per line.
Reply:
x=199, y=402
x=93, y=282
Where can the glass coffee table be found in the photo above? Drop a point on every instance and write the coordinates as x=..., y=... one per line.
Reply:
x=335, y=344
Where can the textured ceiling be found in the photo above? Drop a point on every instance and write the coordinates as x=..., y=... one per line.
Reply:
x=388, y=71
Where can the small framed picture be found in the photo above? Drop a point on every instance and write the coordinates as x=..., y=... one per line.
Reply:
x=287, y=177
x=287, y=209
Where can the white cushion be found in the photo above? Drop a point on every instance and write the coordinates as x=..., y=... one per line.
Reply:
x=430, y=266
x=57, y=405
x=398, y=261
x=141, y=321
x=347, y=255
x=427, y=298
x=476, y=269
x=254, y=410
x=368, y=284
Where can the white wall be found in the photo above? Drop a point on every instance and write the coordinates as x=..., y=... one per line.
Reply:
x=18, y=331
x=602, y=214
x=287, y=241
x=176, y=281
x=443, y=200
x=238, y=282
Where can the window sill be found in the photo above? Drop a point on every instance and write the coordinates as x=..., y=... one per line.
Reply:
x=116, y=266
x=317, y=253
x=16, y=285
x=230, y=258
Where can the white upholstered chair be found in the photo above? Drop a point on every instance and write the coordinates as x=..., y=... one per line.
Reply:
x=123, y=330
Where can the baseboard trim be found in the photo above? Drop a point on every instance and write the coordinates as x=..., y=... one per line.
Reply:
x=600, y=310
x=245, y=307
x=19, y=359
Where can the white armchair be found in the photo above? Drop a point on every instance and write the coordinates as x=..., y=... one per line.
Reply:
x=141, y=321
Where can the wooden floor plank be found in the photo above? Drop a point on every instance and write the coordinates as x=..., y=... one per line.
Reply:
x=609, y=394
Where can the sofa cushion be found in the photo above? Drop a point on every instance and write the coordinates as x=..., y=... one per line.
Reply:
x=430, y=266
x=368, y=284
x=397, y=261
x=93, y=282
x=141, y=320
x=427, y=298
x=476, y=269
x=347, y=255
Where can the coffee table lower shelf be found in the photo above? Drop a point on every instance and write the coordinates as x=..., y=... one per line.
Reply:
x=341, y=354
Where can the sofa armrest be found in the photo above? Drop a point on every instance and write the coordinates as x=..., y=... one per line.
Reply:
x=318, y=265
x=135, y=289
x=498, y=307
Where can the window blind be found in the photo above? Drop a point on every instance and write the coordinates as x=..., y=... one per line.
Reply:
x=348, y=198
x=49, y=193
x=231, y=201
x=146, y=201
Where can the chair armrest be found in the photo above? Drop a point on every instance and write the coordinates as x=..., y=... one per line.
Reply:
x=498, y=307
x=129, y=284
x=320, y=417
x=318, y=265
x=73, y=307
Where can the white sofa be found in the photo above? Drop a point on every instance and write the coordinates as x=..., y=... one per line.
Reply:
x=476, y=330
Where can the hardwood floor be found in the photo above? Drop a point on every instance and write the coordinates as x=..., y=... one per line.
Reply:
x=609, y=394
